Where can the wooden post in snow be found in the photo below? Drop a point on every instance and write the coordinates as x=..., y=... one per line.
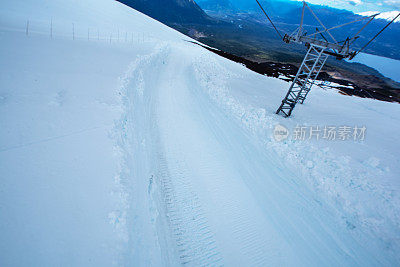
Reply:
x=27, y=27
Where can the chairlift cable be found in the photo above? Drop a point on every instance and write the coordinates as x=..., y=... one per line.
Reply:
x=378, y=34
x=318, y=51
x=320, y=33
x=356, y=36
x=273, y=25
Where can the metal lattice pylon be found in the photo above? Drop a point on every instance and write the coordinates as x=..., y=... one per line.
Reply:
x=319, y=48
x=305, y=78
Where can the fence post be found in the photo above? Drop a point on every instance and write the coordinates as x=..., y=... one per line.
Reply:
x=27, y=27
x=73, y=31
x=51, y=28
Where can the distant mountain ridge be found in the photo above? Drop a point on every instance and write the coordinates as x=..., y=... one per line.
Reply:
x=170, y=11
x=390, y=15
x=183, y=15
x=287, y=14
x=221, y=5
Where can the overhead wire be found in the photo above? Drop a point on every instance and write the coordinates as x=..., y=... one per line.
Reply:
x=273, y=25
x=327, y=30
x=370, y=41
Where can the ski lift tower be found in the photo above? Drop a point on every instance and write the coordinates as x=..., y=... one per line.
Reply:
x=320, y=47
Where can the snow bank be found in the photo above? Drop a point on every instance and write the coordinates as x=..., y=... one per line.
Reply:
x=64, y=198
x=359, y=178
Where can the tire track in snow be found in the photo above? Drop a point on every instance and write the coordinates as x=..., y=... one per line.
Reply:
x=210, y=215
x=201, y=184
x=202, y=206
x=194, y=239
x=215, y=197
x=176, y=208
x=245, y=227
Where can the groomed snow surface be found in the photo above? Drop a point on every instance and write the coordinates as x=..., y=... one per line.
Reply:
x=123, y=144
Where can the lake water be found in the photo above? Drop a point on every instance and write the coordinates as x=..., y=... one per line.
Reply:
x=386, y=66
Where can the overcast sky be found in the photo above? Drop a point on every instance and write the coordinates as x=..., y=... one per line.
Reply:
x=360, y=5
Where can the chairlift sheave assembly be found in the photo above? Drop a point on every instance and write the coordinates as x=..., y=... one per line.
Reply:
x=321, y=44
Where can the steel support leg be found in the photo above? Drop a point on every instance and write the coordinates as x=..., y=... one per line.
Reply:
x=305, y=78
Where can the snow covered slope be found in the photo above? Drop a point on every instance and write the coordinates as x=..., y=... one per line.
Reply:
x=389, y=16
x=123, y=144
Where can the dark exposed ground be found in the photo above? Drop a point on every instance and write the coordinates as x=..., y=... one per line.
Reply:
x=248, y=40
x=287, y=72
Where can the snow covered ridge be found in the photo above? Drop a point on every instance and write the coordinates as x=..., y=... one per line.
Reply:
x=156, y=152
x=384, y=15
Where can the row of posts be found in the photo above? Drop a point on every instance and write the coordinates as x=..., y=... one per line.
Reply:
x=88, y=33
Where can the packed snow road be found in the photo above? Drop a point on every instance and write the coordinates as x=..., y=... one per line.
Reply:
x=216, y=197
x=123, y=144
